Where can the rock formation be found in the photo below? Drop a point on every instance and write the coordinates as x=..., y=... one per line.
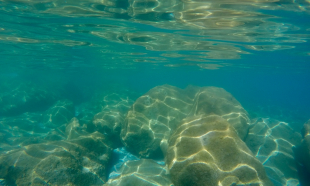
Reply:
x=206, y=150
x=144, y=172
x=155, y=115
x=272, y=141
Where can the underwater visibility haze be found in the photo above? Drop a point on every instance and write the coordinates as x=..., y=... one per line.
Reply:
x=154, y=92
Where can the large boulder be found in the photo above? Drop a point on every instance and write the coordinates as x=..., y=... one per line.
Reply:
x=206, y=150
x=272, y=143
x=80, y=161
x=144, y=172
x=214, y=100
x=155, y=115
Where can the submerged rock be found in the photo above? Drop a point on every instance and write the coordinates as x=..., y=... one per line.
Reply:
x=74, y=130
x=272, y=141
x=155, y=115
x=60, y=113
x=21, y=130
x=109, y=123
x=119, y=157
x=144, y=172
x=303, y=154
x=79, y=161
x=29, y=122
x=206, y=150
x=214, y=100
x=109, y=120
x=26, y=97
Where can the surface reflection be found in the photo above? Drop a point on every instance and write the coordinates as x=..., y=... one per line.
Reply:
x=216, y=30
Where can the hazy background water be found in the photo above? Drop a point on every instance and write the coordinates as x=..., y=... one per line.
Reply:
x=50, y=50
x=258, y=51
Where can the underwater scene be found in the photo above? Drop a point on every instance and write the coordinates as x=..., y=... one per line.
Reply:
x=154, y=93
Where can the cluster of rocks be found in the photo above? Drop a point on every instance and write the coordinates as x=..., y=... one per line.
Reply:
x=168, y=136
x=60, y=146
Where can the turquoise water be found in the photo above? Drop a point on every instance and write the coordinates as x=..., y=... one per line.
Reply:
x=104, y=92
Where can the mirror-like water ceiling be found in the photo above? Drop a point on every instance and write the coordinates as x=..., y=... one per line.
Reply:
x=154, y=92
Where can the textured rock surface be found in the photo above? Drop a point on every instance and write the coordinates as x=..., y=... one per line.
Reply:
x=155, y=115
x=214, y=100
x=60, y=113
x=80, y=161
x=304, y=151
x=74, y=129
x=144, y=172
x=272, y=141
x=119, y=157
x=305, y=131
x=109, y=123
x=206, y=150
x=111, y=117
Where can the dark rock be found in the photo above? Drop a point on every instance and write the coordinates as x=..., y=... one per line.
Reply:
x=302, y=153
x=111, y=118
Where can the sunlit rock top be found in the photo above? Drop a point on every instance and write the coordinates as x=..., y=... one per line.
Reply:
x=206, y=150
x=155, y=115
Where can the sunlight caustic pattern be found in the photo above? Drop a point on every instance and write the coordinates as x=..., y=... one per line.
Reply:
x=111, y=118
x=142, y=172
x=34, y=152
x=155, y=115
x=272, y=141
x=80, y=160
x=206, y=150
x=59, y=114
x=194, y=136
